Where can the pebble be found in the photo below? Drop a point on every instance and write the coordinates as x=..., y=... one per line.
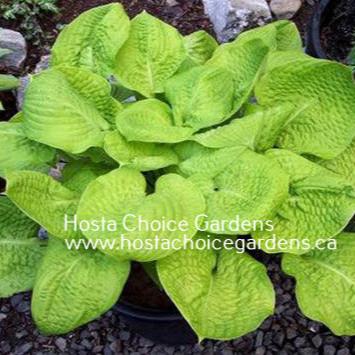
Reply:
x=282, y=334
x=23, y=349
x=317, y=341
x=61, y=344
x=171, y=3
x=329, y=350
x=343, y=352
x=285, y=9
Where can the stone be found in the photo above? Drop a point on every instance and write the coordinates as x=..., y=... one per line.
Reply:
x=231, y=17
x=171, y=3
x=317, y=341
x=16, y=44
x=329, y=350
x=20, y=91
x=343, y=352
x=61, y=344
x=285, y=9
x=43, y=64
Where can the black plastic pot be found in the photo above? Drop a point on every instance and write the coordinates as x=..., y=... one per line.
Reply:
x=313, y=41
x=161, y=327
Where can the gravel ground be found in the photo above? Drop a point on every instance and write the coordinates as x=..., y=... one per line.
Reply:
x=287, y=332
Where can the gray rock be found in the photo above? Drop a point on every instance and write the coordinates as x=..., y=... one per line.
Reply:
x=20, y=91
x=285, y=9
x=343, y=352
x=317, y=341
x=329, y=350
x=43, y=64
x=231, y=17
x=16, y=44
x=308, y=351
x=171, y=3
x=23, y=349
x=61, y=344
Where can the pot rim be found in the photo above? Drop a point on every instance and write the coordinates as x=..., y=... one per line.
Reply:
x=147, y=314
x=313, y=40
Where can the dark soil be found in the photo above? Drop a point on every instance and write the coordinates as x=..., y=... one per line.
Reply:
x=187, y=16
x=8, y=100
x=338, y=29
x=304, y=15
x=286, y=332
x=140, y=290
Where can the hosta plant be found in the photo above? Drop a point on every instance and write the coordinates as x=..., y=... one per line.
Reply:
x=151, y=123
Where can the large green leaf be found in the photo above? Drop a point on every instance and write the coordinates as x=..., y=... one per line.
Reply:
x=319, y=206
x=78, y=174
x=244, y=61
x=280, y=35
x=44, y=200
x=152, y=54
x=343, y=164
x=93, y=39
x=249, y=188
x=222, y=294
x=120, y=196
x=258, y=131
x=325, y=284
x=200, y=47
x=69, y=109
x=75, y=287
x=17, y=152
x=150, y=121
x=327, y=126
x=201, y=97
x=138, y=155
x=20, y=250
x=287, y=36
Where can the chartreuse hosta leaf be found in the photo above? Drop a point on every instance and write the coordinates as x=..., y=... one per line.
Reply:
x=319, y=206
x=73, y=287
x=199, y=282
x=44, y=200
x=152, y=54
x=244, y=61
x=201, y=97
x=200, y=47
x=325, y=284
x=343, y=164
x=69, y=109
x=279, y=35
x=247, y=185
x=93, y=39
x=151, y=120
x=17, y=152
x=139, y=155
x=258, y=131
x=327, y=126
x=78, y=174
x=20, y=250
x=121, y=196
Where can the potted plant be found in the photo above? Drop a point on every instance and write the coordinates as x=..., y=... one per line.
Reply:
x=181, y=155
x=331, y=31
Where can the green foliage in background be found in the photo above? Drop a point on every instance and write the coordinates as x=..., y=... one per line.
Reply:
x=27, y=13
